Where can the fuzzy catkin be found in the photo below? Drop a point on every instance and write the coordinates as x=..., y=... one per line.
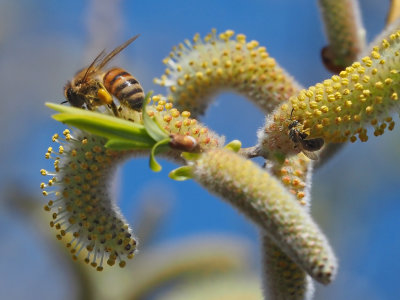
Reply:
x=283, y=279
x=341, y=108
x=265, y=201
x=83, y=209
x=344, y=31
x=199, y=69
x=82, y=204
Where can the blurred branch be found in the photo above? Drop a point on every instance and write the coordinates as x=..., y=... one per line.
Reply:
x=238, y=286
x=394, y=11
x=190, y=258
x=105, y=23
x=344, y=31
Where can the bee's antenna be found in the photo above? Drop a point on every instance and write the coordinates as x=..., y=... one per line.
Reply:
x=64, y=102
x=291, y=113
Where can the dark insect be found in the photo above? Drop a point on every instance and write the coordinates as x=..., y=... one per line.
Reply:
x=307, y=146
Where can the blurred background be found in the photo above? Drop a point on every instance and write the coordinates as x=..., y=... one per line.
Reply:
x=43, y=43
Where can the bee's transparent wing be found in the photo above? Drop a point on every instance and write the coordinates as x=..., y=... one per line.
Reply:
x=310, y=155
x=113, y=53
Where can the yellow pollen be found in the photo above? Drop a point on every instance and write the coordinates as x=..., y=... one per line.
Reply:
x=185, y=114
x=286, y=180
x=167, y=118
x=375, y=55
x=366, y=93
x=385, y=43
x=331, y=98
x=199, y=75
x=355, y=77
x=369, y=110
x=388, y=81
x=178, y=124
x=358, y=86
x=301, y=195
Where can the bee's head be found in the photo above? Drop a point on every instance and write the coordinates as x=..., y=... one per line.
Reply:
x=293, y=124
x=73, y=96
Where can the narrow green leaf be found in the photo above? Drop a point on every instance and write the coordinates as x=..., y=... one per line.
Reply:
x=62, y=108
x=181, y=174
x=234, y=145
x=157, y=148
x=106, y=126
x=151, y=125
x=118, y=144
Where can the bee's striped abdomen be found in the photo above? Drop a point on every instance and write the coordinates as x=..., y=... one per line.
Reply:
x=124, y=87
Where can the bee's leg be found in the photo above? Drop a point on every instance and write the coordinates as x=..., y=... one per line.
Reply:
x=114, y=108
x=89, y=105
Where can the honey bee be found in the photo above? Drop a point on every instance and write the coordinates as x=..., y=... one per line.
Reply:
x=124, y=87
x=93, y=87
x=299, y=138
x=184, y=143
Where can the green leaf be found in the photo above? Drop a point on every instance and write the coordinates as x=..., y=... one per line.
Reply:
x=102, y=125
x=157, y=148
x=190, y=155
x=151, y=125
x=181, y=174
x=279, y=156
x=118, y=144
x=234, y=145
